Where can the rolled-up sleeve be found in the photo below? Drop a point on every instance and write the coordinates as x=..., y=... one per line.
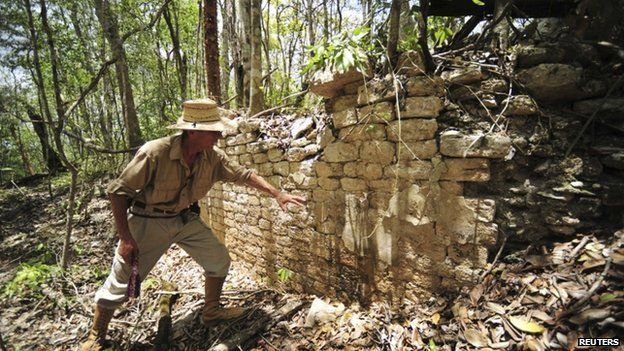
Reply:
x=134, y=177
x=230, y=171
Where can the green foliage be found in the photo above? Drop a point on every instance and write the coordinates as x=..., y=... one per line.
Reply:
x=284, y=274
x=478, y=2
x=432, y=345
x=341, y=53
x=29, y=279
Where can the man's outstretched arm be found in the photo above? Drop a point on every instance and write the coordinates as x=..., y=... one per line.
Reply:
x=257, y=182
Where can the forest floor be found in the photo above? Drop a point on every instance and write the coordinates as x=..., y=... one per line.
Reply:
x=537, y=299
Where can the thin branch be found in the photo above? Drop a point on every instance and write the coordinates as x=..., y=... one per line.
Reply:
x=148, y=25
x=94, y=81
x=89, y=145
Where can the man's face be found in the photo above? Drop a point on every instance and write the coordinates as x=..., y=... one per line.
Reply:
x=204, y=140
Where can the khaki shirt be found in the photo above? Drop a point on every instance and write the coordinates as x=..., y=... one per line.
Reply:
x=159, y=177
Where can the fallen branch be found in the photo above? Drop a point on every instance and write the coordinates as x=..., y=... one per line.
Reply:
x=578, y=247
x=261, y=325
x=582, y=301
x=261, y=113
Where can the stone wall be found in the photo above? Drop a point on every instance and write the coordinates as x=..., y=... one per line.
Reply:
x=408, y=188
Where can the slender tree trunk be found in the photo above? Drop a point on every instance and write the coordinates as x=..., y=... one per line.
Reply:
x=211, y=50
x=226, y=15
x=60, y=112
x=422, y=37
x=52, y=160
x=339, y=13
x=244, y=36
x=108, y=21
x=393, y=32
x=325, y=21
x=22, y=150
x=256, y=98
x=178, y=55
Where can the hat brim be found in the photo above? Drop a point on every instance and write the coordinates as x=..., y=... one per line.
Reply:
x=221, y=125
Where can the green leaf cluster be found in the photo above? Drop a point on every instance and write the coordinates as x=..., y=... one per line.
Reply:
x=284, y=274
x=341, y=53
x=29, y=279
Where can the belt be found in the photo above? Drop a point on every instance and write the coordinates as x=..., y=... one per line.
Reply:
x=142, y=206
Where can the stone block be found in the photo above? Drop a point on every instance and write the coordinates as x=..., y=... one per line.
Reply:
x=531, y=55
x=416, y=150
x=325, y=137
x=300, y=126
x=248, y=125
x=341, y=103
x=353, y=184
x=236, y=150
x=412, y=170
x=345, y=118
x=371, y=171
x=324, y=169
x=275, y=154
x=328, y=83
x=456, y=144
x=281, y=168
x=329, y=183
x=425, y=86
x=412, y=129
x=422, y=106
x=245, y=160
x=301, y=142
x=340, y=152
x=553, y=82
x=265, y=169
x=362, y=132
x=494, y=85
x=351, y=169
x=520, y=105
x=463, y=75
x=378, y=113
x=257, y=147
x=385, y=185
x=260, y=158
x=483, y=208
x=381, y=152
x=296, y=154
x=355, y=235
x=459, y=221
x=240, y=139
x=410, y=63
x=466, y=170
x=375, y=91
x=610, y=106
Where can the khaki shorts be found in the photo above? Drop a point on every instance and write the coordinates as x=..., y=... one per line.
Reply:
x=154, y=236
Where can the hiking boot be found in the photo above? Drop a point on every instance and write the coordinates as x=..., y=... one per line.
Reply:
x=213, y=312
x=97, y=334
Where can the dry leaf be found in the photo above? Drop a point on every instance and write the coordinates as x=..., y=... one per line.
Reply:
x=590, y=315
x=476, y=293
x=494, y=307
x=525, y=326
x=475, y=338
x=435, y=318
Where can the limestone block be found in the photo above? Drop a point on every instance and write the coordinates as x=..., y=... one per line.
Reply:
x=355, y=234
x=494, y=85
x=484, y=208
x=236, y=150
x=329, y=183
x=301, y=126
x=245, y=160
x=351, y=169
x=417, y=150
x=422, y=106
x=302, y=181
x=301, y=142
x=609, y=106
x=345, y=118
x=412, y=170
x=257, y=147
x=425, y=86
x=412, y=129
x=377, y=113
x=410, y=63
x=265, y=169
x=371, y=171
x=281, y=168
x=381, y=152
x=463, y=75
x=340, y=152
x=275, y=154
x=325, y=137
x=306, y=167
x=353, y=184
x=520, y=105
x=382, y=184
x=247, y=125
x=454, y=188
x=295, y=154
x=553, y=81
x=466, y=275
x=328, y=83
x=531, y=55
x=460, y=222
x=322, y=195
x=352, y=88
x=241, y=138
x=386, y=244
x=456, y=144
x=341, y=103
x=260, y=158
x=324, y=169
x=376, y=90
x=362, y=132
x=467, y=170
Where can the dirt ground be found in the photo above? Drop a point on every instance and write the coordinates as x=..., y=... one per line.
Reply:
x=540, y=298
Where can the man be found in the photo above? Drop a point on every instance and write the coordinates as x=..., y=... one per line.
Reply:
x=150, y=201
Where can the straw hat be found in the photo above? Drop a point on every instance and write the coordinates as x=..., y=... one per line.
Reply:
x=204, y=114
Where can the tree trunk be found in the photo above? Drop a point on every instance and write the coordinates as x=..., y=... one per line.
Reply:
x=211, y=50
x=52, y=160
x=393, y=32
x=422, y=37
x=58, y=129
x=178, y=55
x=22, y=150
x=244, y=37
x=256, y=98
x=108, y=21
